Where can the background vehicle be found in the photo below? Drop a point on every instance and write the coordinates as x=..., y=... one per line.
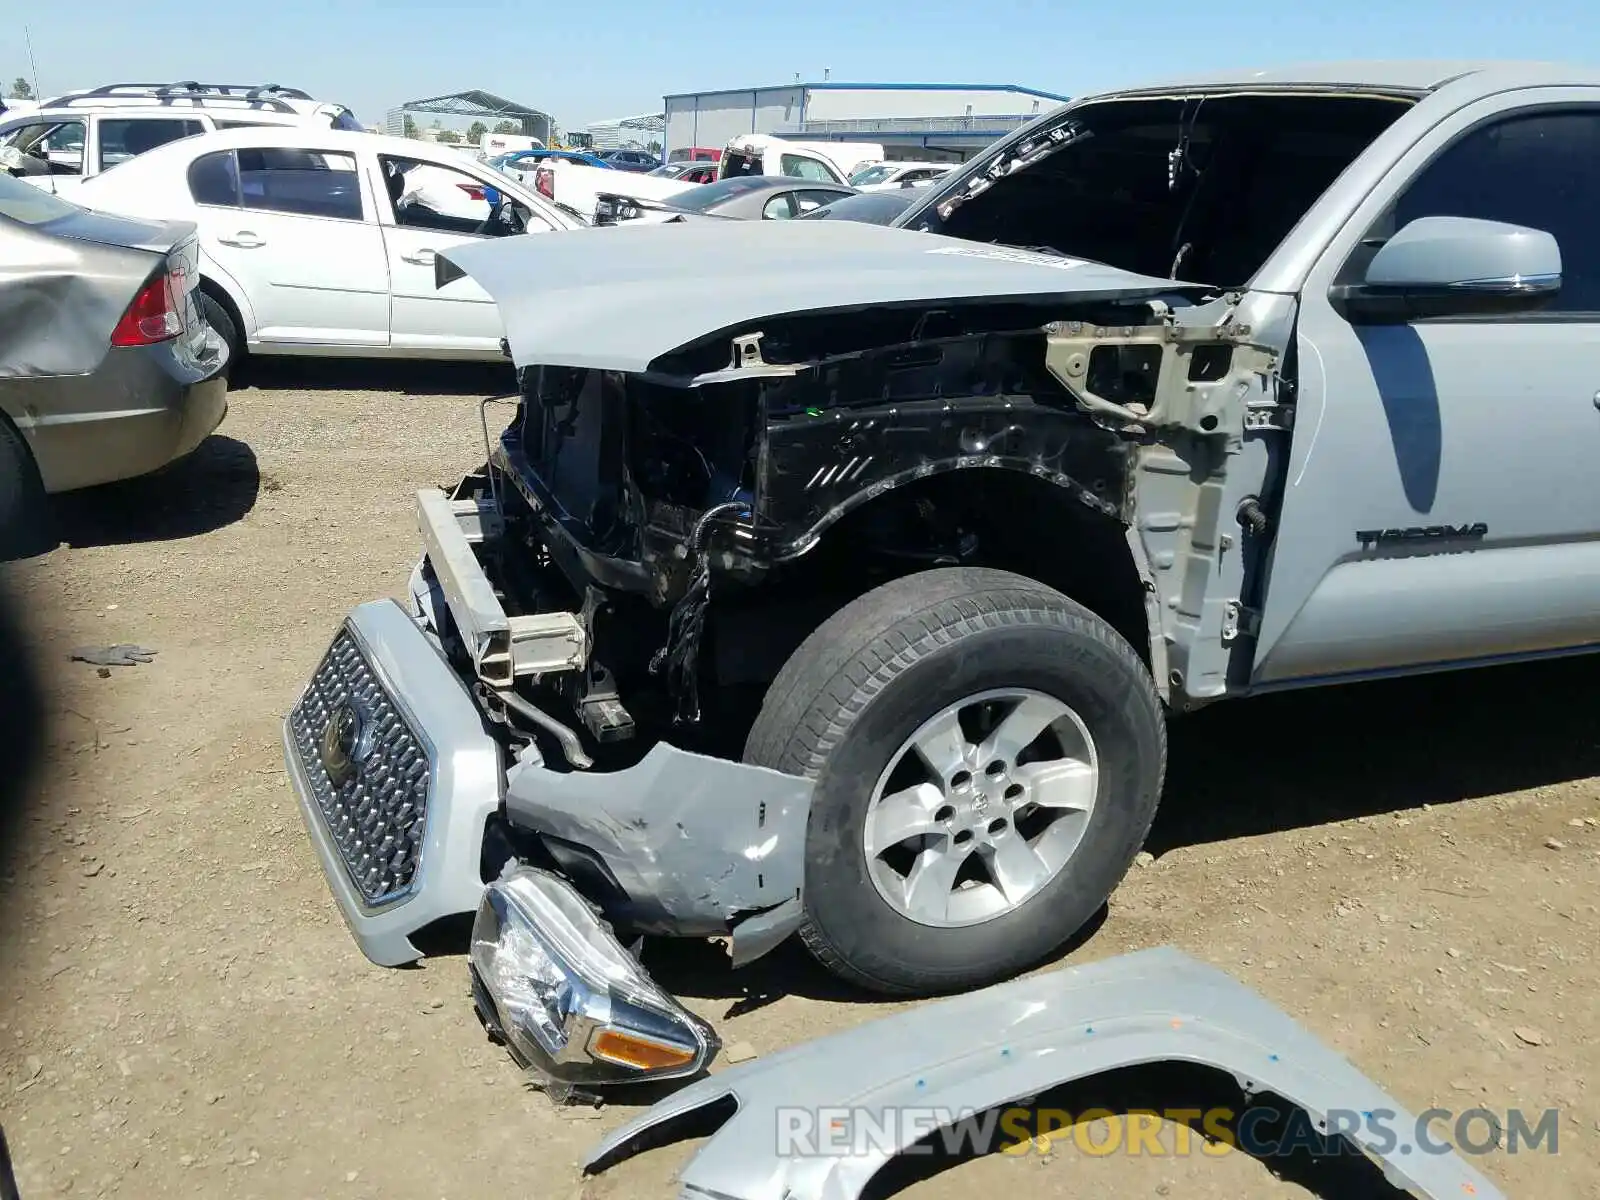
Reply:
x=320, y=241
x=107, y=368
x=886, y=175
x=826, y=162
x=579, y=187
x=629, y=160
x=523, y=163
x=1317, y=406
x=745, y=198
x=708, y=154
x=688, y=172
x=493, y=144
x=872, y=208
x=79, y=134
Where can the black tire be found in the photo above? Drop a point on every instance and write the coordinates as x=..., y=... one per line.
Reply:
x=863, y=682
x=216, y=315
x=22, y=502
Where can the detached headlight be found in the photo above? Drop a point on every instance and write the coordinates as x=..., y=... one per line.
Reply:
x=568, y=1000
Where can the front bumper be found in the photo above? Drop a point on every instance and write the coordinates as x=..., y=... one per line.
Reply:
x=462, y=789
x=679, y=844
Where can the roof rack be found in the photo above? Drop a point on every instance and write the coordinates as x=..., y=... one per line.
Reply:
x=268, y=95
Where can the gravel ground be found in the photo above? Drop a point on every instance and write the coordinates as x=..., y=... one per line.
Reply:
x=1410, y=869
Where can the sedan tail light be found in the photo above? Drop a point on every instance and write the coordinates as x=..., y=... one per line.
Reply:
x=152, y=317
x=473, y=191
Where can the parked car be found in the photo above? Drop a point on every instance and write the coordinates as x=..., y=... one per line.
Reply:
x=629, y=160
x=745, y=198
x=767, y=154
x=872, y=208
x=884, y=176
x=107, y=369
x=521, y=162
x=579, y=187
x=708, y=154
x=77, y=135
x=1297, y=390
x=687, y=171
x=320, y=241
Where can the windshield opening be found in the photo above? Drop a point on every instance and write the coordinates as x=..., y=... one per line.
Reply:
x=1200, y=189
x=873, y=174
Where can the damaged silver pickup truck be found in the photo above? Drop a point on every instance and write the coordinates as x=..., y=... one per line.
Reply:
x=839, y=579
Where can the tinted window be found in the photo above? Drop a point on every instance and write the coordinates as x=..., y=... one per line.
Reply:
x=123, y=138
x=870, y=208
x=1541, y=171
x=309, y=183
x=214, y=179
x=779, y=208
x=805, y=168
x=347, y=120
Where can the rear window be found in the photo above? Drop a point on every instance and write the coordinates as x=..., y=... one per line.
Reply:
x=711, y=194
x=32, y=206
x=740, y=164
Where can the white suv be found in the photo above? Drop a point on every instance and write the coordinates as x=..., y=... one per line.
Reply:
x=79, y=134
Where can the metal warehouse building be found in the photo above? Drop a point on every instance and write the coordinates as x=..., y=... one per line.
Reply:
x=949, y=121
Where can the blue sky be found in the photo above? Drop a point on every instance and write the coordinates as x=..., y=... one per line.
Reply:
x=586, y=61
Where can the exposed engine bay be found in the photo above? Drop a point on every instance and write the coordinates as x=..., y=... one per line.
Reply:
x=698, y=513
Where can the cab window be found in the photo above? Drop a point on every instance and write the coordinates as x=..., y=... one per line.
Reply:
x=798, y=166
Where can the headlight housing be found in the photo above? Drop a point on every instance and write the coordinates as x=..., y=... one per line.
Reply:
x=569, y=1001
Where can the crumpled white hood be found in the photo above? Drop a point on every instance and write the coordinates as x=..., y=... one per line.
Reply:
x=619, y=297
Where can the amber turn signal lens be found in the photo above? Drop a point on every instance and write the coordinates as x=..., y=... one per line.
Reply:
x=631, y=1050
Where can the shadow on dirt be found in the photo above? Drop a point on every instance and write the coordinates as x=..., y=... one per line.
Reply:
x=700, y=969
x=1331, y=754
x=419, y=378
x=1260, y=766
x=212, y=488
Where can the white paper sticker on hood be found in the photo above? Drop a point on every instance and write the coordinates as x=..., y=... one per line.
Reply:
x=1002, y=254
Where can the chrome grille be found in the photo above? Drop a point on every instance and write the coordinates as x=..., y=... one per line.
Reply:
x=376, y=813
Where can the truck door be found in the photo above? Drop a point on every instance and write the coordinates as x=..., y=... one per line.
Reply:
x=1442, y=505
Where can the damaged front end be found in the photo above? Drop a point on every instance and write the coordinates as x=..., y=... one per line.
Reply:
x=680, y=496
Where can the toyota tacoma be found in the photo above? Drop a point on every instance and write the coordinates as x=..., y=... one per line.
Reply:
x=840, y=580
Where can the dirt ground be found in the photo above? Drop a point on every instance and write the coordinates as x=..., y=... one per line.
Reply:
x=1409, y=869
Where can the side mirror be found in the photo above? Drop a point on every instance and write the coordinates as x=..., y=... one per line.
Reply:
x=1454, y=266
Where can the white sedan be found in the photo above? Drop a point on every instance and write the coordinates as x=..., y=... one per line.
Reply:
x=322, y=242
x=888, y=176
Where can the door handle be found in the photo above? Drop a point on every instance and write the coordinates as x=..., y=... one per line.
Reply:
x=422, y=258
x=244, y=239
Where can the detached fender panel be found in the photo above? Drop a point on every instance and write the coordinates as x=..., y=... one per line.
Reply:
x=1006, y=1044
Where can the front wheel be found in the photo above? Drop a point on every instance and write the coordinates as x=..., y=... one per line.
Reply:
x=987, y=758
